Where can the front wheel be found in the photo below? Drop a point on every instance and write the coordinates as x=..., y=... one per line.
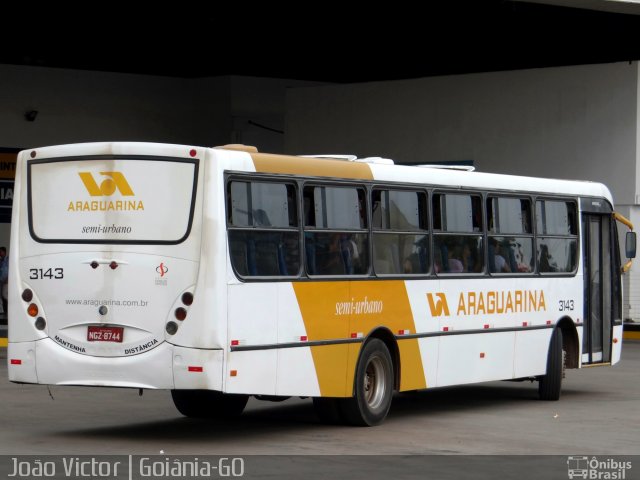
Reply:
x=549, y=385
x=373, y=387
x=208, y=403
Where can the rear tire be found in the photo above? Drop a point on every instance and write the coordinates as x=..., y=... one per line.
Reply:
x=208, y=403
x=373, y=387
x=549, y=385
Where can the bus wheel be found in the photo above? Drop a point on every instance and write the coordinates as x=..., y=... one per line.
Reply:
x=208, y=403
x=549, y=385
x=373, y=387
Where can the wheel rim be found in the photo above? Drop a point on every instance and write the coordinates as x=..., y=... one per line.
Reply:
x=375, y=384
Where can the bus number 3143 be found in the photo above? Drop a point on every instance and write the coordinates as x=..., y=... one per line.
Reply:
x=50, y=273
x=565, y=305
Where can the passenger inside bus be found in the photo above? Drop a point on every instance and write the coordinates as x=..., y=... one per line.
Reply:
x=263, y=241
x=497, y=261
x=456, y=260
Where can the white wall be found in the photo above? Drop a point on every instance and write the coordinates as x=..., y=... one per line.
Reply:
x=83, y=106
x=80, y=106
x=257, y=108
x=568, y=122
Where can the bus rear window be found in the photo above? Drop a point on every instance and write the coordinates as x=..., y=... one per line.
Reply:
x=111, y=199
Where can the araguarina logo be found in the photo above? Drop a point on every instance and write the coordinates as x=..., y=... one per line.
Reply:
x=114, y=181
x=438, y=307
x=492, y=302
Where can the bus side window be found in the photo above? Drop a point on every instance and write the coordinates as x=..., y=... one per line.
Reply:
x=556, y=240
x=400, y=237
x=263, y=229
x=458, y=245
x=336, y=235
x=510, y=246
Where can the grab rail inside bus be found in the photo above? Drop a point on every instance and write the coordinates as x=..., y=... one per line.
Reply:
x=630, y=240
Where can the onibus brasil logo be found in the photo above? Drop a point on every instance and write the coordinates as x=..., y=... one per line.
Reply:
x=110, y=183
x=594, y=468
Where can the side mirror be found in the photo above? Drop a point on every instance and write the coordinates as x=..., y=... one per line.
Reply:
x=630, y=245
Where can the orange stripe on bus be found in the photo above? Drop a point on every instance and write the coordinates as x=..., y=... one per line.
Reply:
x=314, y=167
x=332, y=310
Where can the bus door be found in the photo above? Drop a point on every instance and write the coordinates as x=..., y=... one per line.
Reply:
x=602, y=299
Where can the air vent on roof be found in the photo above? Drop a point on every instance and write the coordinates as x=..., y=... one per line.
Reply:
x=465, y=168
x=353, y=158
x=349, y=158
x=378, y=160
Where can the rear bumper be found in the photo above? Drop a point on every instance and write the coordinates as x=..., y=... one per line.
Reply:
x=164, y=367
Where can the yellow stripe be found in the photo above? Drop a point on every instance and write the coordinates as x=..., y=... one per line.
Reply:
x=412, y=376
x=313, y=167
x=3, y=342
x=238, y=147
x=631, y=335
x=622, y=219
x=593, y=365
x=336, y=310
x=331, y=368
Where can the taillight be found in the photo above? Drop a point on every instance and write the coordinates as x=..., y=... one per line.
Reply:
x=32, y=310
x=181, y=313
x=187, y=298
x=171, y=327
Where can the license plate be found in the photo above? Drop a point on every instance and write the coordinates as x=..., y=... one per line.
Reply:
x=105, y=334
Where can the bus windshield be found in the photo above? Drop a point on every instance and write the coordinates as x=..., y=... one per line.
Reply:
x=111, y=200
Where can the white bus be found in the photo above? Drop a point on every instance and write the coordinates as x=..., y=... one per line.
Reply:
x=221, y=273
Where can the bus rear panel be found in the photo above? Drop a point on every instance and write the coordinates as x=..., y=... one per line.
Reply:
x=105, y=256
